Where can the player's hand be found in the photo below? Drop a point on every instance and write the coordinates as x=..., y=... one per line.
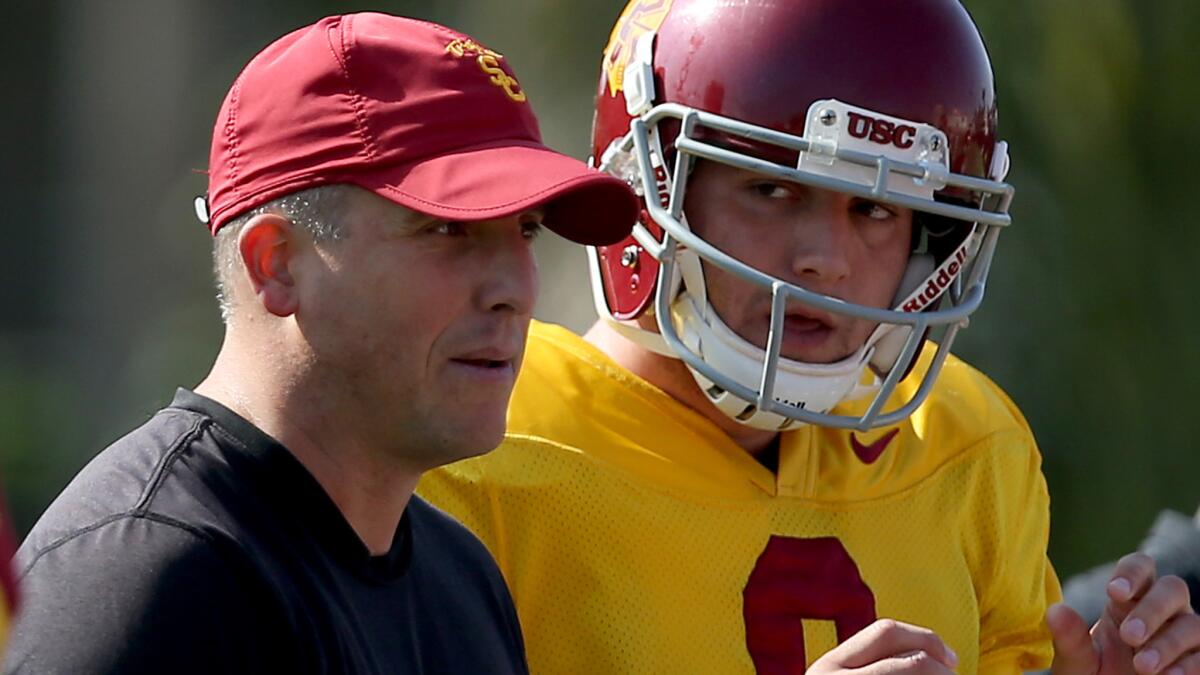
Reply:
x=888, y=646
x=1147, y=628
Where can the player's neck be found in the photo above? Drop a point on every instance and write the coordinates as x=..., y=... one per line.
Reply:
x=672, y=376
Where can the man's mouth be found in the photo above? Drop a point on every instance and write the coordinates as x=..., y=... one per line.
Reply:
x=486, y=363
x=493, y=360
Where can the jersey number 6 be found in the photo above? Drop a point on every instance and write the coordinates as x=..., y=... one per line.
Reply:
x=797, y=579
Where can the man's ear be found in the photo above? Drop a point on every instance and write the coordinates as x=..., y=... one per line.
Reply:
x=268, y=247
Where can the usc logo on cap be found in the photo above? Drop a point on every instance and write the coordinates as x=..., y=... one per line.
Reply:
x=489, y=63
x=640, y=17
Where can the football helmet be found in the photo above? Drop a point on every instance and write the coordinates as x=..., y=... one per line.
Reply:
x=887, y=101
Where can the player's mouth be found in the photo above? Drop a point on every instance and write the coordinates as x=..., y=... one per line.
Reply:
x=807, y=335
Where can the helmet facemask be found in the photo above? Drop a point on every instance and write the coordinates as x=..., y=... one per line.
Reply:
x=844, y=149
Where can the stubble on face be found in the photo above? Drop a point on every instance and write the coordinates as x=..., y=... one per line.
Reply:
x=406, y=340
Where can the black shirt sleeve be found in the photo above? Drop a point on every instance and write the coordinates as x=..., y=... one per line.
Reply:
x=139, y=594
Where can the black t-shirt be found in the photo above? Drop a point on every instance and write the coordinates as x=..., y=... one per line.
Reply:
x=197, y=543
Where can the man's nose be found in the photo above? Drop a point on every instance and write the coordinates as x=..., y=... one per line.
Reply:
x=510, y=268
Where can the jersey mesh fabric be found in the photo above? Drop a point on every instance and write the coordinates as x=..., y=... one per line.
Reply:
x=636, y=537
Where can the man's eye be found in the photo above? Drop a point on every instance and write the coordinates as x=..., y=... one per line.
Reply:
x=531, y=230
x=451, y=228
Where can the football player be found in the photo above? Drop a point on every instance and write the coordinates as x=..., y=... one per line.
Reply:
x=764, y=448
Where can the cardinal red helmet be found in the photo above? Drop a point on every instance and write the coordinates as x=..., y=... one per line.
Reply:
x=886, y=100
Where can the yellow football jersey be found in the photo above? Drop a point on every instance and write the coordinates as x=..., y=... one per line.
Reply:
x=637, y=538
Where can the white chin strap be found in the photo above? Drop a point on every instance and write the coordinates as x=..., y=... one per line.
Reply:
x=817, y=387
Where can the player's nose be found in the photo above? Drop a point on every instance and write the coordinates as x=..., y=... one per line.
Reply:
x=820, y=243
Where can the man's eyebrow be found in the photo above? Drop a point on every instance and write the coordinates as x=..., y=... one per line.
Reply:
x=408, y=220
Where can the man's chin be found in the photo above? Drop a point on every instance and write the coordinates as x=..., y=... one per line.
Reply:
x=472, y=439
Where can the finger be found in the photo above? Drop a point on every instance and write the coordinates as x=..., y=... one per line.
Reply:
x=1177, y=640
x=1132, y=577
x=1168, y=597
x=914, y=663
x=1188, y=665
x=887, y=638
x=1074, y=651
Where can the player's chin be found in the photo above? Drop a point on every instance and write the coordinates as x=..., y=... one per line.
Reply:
x=835, y=349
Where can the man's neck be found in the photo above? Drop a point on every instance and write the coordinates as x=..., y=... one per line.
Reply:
x=370, y=489
x=673, y=377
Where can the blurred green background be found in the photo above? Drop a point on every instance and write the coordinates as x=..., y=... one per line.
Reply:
x=1090, y=322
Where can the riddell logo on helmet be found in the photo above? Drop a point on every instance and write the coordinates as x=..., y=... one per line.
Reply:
x=882, y=132
x=938, y=284
x=795, y=404
x=662, y=185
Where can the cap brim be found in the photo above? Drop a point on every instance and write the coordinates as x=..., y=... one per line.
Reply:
x=502, y=179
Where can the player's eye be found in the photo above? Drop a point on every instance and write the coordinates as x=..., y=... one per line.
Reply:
x=874, y=210
x=771, y=189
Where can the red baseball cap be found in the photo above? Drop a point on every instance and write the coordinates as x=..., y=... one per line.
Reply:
x=415, y=112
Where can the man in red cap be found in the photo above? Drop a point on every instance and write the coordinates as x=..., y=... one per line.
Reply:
x=375, y=184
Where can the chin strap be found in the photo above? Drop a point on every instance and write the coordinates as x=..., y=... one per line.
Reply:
x=816, y=387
